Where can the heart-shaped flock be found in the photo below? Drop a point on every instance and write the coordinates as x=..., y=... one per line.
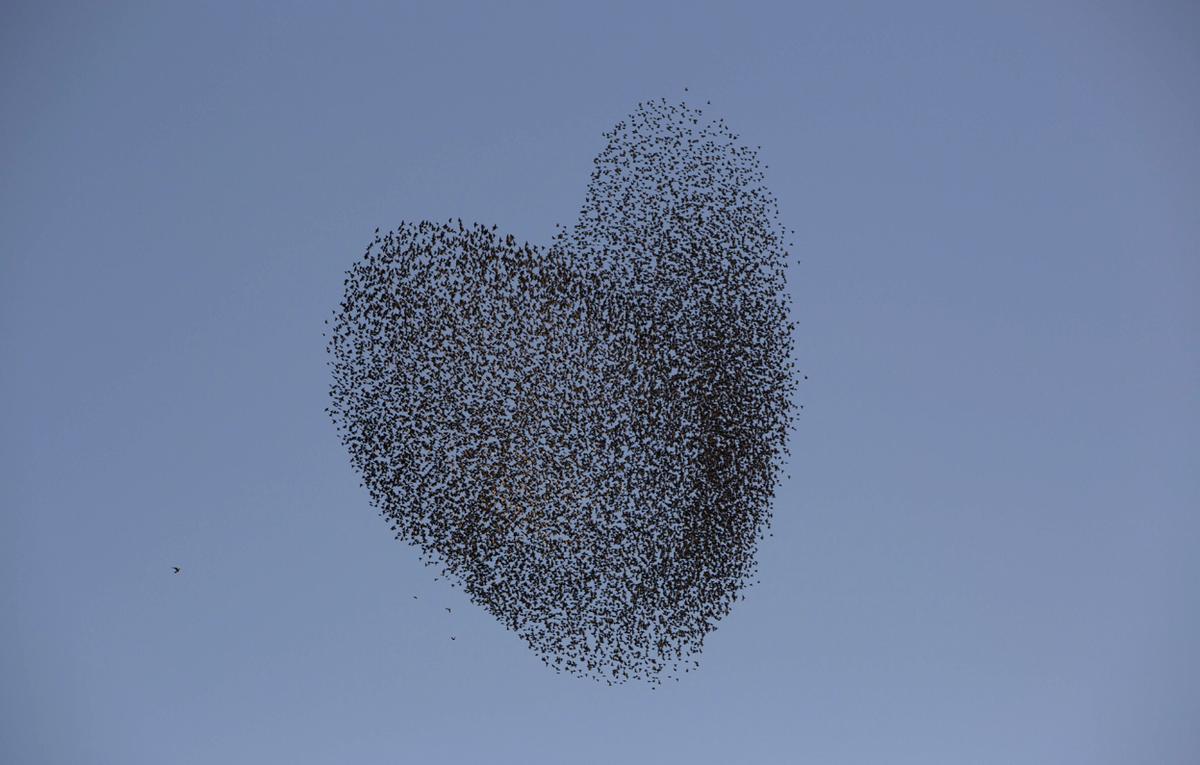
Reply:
x=587, y=436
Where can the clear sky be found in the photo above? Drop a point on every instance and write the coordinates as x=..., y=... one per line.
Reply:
x=988, y=550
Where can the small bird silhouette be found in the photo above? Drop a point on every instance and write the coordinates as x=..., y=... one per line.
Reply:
x=449, y=611
x=453, y=638
x=177, y=569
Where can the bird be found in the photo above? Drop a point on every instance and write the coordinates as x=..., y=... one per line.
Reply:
x=537, y=419
x=177, y=569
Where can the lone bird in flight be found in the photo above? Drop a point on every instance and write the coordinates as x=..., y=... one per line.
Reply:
x=177, y=569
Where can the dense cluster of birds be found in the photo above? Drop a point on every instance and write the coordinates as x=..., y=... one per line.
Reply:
x=586, y=437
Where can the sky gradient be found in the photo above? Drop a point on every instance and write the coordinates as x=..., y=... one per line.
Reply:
x=983, y=553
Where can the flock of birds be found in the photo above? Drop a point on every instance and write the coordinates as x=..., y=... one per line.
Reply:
x=585, y=437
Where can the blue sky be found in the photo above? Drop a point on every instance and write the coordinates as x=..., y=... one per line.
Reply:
x=986, y=549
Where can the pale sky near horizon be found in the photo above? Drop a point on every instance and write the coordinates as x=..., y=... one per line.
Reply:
x=987, y=549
